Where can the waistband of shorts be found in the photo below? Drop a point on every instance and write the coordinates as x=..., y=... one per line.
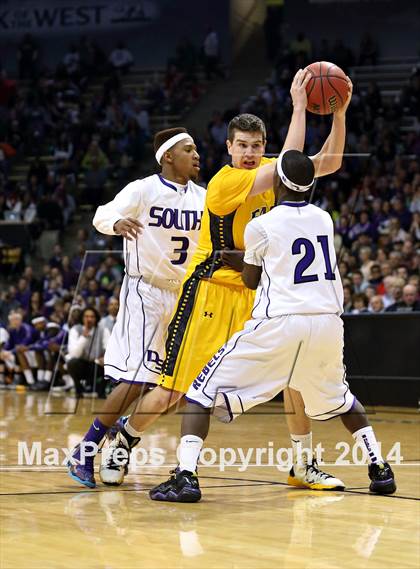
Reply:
x=338, y=314
x=165, y=284
x=231, y=286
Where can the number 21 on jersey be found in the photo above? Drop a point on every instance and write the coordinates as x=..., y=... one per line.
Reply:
x=308, y=258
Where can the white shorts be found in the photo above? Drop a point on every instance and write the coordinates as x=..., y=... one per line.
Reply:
x=304, y=352
x=135, y=350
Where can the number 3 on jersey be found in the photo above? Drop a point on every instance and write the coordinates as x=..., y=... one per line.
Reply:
x=308, y=259
x=182, y=250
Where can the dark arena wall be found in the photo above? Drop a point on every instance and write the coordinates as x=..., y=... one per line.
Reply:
x=382, y=359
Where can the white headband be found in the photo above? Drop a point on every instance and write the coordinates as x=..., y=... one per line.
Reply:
x=288, y=183
x=169, y=143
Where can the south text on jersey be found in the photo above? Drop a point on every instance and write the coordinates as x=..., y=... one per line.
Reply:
x=167, y=217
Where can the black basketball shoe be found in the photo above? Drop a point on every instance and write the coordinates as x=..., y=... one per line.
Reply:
x=382, y=478
x=182, y=486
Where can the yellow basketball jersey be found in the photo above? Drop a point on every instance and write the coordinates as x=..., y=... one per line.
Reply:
x=227, y=211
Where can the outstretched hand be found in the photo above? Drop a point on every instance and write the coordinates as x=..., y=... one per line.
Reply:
x=298, y=89
x=342, y=111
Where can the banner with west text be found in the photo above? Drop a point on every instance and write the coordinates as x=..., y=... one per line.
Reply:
x=80, y=16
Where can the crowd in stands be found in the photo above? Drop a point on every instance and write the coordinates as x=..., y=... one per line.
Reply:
x=374, y=199
x=90, y=123
x=58, y=323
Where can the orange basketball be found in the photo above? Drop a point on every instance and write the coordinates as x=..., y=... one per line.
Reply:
x=327, y=89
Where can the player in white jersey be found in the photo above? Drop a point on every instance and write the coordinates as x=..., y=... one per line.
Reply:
x=159, y=218
x=295, y=336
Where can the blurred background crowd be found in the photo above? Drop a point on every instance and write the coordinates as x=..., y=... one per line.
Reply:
x=83, y=130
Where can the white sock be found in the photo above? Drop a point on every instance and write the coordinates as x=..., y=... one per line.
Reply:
x=189, y=452
x=302, y=449
x=29, y=376
x=132, y=432
x=47, y=375
x=366, y=438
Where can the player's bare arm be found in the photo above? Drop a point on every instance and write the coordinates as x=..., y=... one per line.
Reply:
x=233, y=259
x=295, y=138
x=251, y=275
x=330, y=157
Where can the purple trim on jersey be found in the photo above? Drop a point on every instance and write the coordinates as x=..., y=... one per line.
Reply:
x=143, y=361
x=165, y=183
x=294, y=204
x=229, y=410
x=268, y=288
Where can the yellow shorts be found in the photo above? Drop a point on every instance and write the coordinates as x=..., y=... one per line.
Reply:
x=206, y=316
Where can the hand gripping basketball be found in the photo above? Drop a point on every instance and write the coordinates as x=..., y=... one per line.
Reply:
x=298, y=89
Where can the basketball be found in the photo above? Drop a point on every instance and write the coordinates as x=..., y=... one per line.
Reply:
x=327, y=89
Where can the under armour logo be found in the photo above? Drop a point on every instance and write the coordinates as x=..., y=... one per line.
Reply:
x=208, y=314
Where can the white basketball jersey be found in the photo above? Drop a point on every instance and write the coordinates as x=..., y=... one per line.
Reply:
x=294, y=245
x=171, y=216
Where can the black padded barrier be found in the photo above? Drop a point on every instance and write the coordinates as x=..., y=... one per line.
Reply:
x=382, y=357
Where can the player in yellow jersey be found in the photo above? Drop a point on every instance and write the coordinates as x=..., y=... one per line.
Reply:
x=214, y=303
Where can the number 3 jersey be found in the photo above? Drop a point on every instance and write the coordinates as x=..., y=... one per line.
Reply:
x=171, y=217
x=294, y=246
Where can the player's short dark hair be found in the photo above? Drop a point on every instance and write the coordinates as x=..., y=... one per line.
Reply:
x=246, y=123
x=163, y=135
x=298, y=167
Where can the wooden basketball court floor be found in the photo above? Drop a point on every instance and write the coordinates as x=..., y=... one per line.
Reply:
x=248, y=518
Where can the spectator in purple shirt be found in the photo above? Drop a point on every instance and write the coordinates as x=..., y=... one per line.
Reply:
x=377, y=216
x=401, y=213
x=363, y=226
x=23, y=294
x=68, y=274
x=57, y=258
x=342, y=227
x=53, y=293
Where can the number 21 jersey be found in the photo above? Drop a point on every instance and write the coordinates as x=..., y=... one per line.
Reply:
x=294, y=246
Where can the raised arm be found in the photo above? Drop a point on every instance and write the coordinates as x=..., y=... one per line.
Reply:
x=295, y=138
x=119, y=216
x=330, y=157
